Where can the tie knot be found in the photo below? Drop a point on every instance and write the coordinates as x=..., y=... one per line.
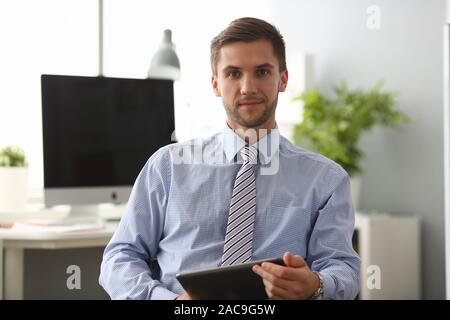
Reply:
x=249, y=154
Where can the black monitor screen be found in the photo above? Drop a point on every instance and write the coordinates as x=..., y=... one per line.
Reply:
x=100, y=131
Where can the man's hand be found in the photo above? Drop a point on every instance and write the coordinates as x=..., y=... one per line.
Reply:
x=295, y=281
x=184, y=296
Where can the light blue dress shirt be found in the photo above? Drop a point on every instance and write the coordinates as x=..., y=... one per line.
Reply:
x=176, y=216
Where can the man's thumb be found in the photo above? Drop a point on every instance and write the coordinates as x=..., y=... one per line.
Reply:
x=293, y=260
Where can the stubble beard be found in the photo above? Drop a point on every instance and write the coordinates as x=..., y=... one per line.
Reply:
x=269, y=110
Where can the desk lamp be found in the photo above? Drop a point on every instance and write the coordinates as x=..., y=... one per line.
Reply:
x=165, y=63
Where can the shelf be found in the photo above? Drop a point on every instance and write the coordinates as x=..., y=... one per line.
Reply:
x=389, y=247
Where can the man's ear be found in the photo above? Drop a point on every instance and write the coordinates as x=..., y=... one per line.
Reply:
x=215, y=85
x=284, y=80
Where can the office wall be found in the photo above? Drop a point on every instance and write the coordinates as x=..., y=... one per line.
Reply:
x=403, y=168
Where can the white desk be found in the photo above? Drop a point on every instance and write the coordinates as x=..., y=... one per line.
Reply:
x=13, y=243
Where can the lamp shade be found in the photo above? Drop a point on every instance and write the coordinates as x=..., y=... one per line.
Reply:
x=165, y=63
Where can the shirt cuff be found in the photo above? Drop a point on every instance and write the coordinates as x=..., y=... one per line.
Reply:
x=329, y=287
x=161, y=293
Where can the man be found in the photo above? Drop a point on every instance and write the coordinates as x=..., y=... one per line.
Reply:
x=244, y=194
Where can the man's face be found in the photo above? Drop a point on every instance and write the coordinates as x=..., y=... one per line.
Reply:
x=248, y=79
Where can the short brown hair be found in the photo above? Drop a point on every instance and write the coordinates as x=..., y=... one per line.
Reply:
x=249, y=30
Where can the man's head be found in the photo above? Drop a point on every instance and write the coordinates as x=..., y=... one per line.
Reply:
x=249, y=30
x=249, y=69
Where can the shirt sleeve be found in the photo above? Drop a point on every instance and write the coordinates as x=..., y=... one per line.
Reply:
x=125, y=271
x=330, y=247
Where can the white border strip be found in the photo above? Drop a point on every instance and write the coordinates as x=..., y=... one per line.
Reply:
x=447, y=156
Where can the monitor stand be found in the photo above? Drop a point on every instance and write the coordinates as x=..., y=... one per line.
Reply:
x=83, y=214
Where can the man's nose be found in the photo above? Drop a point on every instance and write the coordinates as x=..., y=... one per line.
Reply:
x=248, y=85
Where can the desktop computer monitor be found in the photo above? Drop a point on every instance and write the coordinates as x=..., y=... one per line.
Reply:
x=98, y=133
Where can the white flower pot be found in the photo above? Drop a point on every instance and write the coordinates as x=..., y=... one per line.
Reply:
x=13, y=187
x=355, y=188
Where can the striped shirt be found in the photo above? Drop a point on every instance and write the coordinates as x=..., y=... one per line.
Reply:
x=176, y=216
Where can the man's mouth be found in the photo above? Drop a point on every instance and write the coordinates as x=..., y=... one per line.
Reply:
x=249, y=102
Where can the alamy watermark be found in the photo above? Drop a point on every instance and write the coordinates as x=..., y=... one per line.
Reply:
x=74, y=280
x=374, y=19
x=197, y=152
x=373, y=281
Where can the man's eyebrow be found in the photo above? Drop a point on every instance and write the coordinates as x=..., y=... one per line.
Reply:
x=260, y=66
x=229, y=68
x=265, y=65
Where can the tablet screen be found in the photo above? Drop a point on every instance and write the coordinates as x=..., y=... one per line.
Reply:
x=229, y=282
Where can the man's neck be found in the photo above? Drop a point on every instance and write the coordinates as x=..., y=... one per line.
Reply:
x=251, y=135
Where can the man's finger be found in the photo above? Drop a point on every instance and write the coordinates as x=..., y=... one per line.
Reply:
x=274, y=278
x=276, y=293
x=283, y=272
x=293, y=261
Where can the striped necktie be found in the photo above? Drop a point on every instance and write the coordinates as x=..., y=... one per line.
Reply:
x=239, y=235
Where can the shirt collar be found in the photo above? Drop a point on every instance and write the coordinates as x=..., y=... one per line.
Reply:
x=267, y=146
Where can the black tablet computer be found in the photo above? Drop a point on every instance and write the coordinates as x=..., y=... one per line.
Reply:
x=230, y=282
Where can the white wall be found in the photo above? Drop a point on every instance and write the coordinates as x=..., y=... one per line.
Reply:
x=46, y=36
x=403, y=168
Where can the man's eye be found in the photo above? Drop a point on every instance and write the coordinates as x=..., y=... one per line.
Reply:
x=234, y=74
x=262, y=72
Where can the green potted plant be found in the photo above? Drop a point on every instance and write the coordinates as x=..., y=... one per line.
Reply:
x=13, y=178
x=333, y=126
